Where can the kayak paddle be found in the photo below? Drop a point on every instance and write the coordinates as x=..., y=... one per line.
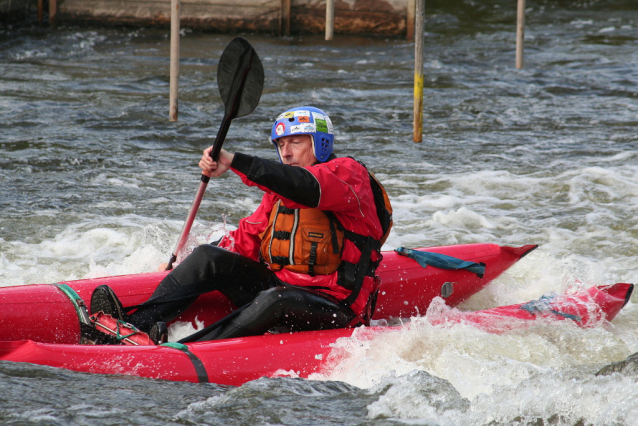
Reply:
x=240, y=79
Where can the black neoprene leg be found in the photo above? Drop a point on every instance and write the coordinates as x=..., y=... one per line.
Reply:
x=290, y=306
x=207, y=269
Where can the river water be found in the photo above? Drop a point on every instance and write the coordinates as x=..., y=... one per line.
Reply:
x=95, y=181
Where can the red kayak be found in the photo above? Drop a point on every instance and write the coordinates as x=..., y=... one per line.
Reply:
x=34, y=312
x=52, y=313
x=585, y=307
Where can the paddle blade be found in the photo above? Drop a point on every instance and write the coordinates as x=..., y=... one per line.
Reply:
x=240, y=78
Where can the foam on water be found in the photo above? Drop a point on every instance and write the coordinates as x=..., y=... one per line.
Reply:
x=573, y=211
x=123, y=245
x=458, y=374
x=572, y=395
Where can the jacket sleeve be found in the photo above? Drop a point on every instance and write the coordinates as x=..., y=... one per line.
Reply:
x=296, y=184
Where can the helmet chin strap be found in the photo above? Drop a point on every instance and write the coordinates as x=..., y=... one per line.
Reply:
x=314, y=151
x=278, y=151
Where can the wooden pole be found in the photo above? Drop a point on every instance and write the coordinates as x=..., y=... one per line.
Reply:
x=409, y=24
x=40, y=10
x=174, y=68
x=284, y=18
x=417, y=135
x=53, y=10
x=520, y=33
x=330, y=19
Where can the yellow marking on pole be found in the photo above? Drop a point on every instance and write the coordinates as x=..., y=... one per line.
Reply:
x=419, y=23
x=418, y=108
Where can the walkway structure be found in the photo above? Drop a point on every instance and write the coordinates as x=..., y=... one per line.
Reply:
x=369, y=17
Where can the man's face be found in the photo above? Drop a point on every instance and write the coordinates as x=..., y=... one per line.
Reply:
x=296, y=150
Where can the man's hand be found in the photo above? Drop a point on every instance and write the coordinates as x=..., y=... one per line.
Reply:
x=215, y=168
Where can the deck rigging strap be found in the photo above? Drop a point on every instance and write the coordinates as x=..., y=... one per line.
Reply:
x=442, y=261
x=544, y=304
x=78, y=303
x=200, y=369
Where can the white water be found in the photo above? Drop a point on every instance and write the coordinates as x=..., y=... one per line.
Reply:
x=526, y=374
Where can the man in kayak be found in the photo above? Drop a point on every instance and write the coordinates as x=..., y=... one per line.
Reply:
x=304, y=260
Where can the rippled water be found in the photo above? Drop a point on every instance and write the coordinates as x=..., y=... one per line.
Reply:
x=94, y=180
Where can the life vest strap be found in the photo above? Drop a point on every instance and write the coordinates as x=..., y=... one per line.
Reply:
x=348, y=274
x=361, y=271
x=281, y=260
x=333, y=233
x=312, y=261
x=361, y=241
x=285, y=210
x=351, y=276
x=281, y=235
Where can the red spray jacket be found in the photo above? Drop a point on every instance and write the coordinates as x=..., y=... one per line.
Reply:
x=340, y=185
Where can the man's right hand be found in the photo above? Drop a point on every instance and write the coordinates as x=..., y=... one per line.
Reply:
x=212, y=168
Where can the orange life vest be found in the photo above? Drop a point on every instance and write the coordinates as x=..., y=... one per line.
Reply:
x=302, y=240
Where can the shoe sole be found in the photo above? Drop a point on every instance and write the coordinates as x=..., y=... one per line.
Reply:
x=105, y=300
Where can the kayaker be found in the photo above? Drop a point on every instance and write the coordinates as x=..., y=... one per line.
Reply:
x=304, y=260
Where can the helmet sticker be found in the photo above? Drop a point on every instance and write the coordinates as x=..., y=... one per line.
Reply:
x=317, y=116
x=302, y=113
x=304, y=119
x=303, y=128
x=288, y=114
x=329, y=124
x=280, y=129
x=322, y=126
